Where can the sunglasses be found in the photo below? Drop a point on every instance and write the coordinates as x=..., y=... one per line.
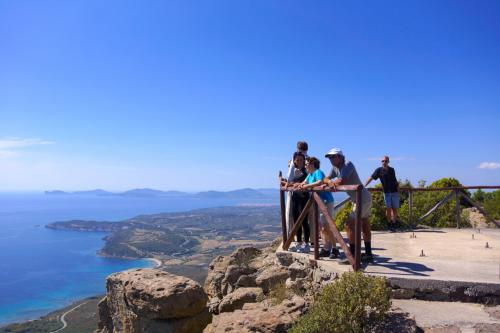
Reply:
x=384, y=161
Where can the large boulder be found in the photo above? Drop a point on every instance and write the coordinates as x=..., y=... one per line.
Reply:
x=271, y=276
x=151, y=300
x=224, y=272
x=239, y=297
x=259, y=317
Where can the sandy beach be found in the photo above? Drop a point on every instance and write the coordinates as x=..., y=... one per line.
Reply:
x=157, y=262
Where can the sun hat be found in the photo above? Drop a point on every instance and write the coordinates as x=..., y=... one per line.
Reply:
x=334, y=151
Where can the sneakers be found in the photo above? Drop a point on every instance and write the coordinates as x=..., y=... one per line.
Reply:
x=304, y=248
x=334, y=253
x=391, y=227
x=324, y=253
x=293, y=248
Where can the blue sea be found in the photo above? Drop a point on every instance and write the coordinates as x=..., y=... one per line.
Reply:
x=42, y=270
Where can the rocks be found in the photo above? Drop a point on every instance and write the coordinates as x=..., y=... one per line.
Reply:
x=259, y=317
x=151, y=300
x=271, y=276
x=224, y=272
x=239, y=297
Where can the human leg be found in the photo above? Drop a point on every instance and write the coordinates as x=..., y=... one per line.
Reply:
x=296, y=209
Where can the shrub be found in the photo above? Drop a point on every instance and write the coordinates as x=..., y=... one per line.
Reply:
x=342, y=216
x=444, y=216
x=348, y=305
x=278, y=293
x=492, y=204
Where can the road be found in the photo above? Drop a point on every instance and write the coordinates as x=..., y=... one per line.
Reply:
x=63, y=320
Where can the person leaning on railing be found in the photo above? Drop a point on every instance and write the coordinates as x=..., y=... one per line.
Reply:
x=344, y=173
x=302, y=147
x=299, y=201
x=315, y=178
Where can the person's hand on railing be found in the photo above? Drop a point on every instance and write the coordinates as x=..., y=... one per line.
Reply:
x=322, y=187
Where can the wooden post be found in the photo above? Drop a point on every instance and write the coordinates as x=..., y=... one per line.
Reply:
x=357, y=229
x=315, y=220
x=283, y=215
x=457, y=207
x=410, y=207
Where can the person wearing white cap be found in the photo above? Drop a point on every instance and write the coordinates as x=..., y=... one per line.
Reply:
x=344, y=173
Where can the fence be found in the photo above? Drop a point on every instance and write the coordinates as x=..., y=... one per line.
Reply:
x=317, y=204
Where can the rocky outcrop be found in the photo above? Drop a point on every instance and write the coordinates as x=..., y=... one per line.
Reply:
x=151, y=300
x=259, y=317
x=239, y=297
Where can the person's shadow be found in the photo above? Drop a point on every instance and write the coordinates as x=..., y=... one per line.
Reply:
x=402, y=267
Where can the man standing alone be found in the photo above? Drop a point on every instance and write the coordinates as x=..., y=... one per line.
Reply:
x=390, y=186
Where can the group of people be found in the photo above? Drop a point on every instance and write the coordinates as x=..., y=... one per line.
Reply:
x=304, y=173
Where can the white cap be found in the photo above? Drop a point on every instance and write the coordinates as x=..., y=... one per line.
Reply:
x=334, y=151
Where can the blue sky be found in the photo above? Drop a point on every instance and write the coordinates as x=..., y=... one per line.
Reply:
x=214, y=94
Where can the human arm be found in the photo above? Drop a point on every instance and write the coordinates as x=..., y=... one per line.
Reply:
x=368, y=181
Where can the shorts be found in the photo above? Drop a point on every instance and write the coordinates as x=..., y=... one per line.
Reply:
x=331, y=210
x=391, y=200
x=366, y=209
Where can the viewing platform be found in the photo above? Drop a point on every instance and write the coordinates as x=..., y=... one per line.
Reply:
x=425, y=263
x=458, y=255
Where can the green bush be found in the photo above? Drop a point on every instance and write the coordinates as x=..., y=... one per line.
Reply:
x=444, y=216
x=343, y=215
x=492, y=204
x=348, y=305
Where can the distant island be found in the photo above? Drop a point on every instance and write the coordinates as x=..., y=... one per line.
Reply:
x=245, y=193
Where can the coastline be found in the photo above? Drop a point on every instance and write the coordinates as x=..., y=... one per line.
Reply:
x=158, y=262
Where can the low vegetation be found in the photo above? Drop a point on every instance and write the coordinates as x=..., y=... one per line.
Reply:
x=490, y=201
x=349, y=305
x=443, y=217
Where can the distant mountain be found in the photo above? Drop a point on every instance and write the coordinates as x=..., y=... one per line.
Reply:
x=269, y=192
x=142, y=192
x=56, y=192
x=245, y=193
x=97, y=192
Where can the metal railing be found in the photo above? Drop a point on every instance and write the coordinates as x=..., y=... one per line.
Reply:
x=317, y=204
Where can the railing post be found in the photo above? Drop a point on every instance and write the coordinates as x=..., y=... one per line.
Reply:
x=283, y=215
x=357, y=229
x=410, y=207
x=315, y=220
x=457, y=207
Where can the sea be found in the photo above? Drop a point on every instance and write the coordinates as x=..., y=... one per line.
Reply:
x=42, y=270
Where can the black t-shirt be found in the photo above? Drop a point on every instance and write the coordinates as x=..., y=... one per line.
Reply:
x=387, y=178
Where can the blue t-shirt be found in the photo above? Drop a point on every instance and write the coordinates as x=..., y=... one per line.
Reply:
x=327, y=197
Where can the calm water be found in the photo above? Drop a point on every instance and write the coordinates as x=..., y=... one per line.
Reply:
x=42, y=270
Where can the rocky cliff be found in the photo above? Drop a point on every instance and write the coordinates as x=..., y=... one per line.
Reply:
x=244, y=292
x=251, y=290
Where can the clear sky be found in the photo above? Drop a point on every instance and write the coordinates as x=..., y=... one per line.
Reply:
x=195, y=95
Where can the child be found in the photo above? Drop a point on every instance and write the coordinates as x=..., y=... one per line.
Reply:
x=315, y=178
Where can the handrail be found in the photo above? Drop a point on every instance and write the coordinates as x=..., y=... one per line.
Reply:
x=430, y=189
x=317, y=204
